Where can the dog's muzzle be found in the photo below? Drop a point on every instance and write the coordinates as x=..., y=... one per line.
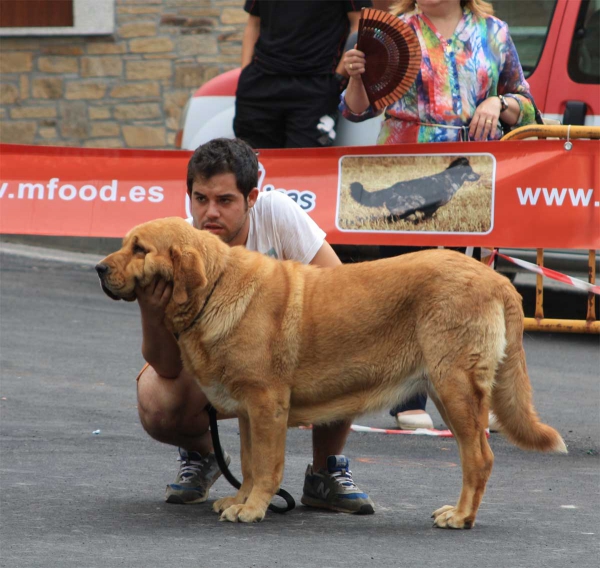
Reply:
x=103, y=270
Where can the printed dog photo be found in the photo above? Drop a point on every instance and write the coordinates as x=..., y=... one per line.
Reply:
x=433, y=194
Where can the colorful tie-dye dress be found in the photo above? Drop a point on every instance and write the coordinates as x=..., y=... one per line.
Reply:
x=479, y=61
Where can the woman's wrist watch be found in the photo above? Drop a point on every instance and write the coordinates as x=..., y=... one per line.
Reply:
x=503, y=104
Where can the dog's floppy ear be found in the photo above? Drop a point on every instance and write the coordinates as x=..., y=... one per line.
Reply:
x=188, y=272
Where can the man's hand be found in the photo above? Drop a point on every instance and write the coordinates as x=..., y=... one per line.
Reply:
x=153, y=299
x=159, y=346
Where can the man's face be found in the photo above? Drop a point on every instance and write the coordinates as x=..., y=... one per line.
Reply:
x=218, y=206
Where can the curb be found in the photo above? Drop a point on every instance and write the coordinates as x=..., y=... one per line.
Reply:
x=42, y=253
x=92, y=245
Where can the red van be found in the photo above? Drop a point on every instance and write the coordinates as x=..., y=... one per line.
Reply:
x=558, y=43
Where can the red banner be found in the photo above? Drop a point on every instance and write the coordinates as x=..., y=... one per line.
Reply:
x=522, y=194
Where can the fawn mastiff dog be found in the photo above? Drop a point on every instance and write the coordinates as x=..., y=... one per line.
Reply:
x=280, y=344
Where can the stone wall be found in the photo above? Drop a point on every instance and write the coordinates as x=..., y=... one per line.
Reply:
x=126, y=90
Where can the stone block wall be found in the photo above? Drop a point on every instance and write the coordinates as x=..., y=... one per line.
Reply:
x=126, y=90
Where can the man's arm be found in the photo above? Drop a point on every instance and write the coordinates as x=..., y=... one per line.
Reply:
x=325, y=257
x=251, y=33
x=159, y=346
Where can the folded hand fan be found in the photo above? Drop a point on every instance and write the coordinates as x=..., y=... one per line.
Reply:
x=393, y=56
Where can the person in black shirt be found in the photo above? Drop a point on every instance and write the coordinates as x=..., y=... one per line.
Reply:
x=292, y=73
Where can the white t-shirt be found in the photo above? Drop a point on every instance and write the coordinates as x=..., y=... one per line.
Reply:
x=281, y=229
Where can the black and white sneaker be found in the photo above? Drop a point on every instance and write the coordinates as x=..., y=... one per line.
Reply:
x=196, y=476
x=334, y=489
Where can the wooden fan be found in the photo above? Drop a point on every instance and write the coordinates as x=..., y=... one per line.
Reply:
x=393, y=56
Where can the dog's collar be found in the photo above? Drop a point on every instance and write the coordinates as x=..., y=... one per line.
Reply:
x=199, y=314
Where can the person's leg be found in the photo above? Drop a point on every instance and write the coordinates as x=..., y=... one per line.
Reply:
x=329, y=440
x=411, y=414
x=416, y=403
x=328, y=482
x=258, y=119
x=311, y=111
x=172, y=411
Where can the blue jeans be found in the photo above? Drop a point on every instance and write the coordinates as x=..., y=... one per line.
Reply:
x=417, y=402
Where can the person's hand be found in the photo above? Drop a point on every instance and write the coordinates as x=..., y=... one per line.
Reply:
x=153, y=299
x=354, y=63
x=485, y=119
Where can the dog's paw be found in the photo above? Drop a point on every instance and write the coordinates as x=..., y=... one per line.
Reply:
x=242, y=514
x=221, y=505
x=447, y=517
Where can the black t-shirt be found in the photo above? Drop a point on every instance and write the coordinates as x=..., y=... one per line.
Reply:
x=301, y=37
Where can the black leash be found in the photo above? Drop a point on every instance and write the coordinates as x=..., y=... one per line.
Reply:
x=214, y=434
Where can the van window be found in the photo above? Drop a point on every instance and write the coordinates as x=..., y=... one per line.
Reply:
x=584, y=58
x=528, y=23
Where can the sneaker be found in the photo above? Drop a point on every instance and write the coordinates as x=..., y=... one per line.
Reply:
x=335, y=489
x=414, y=421
x=195, y=477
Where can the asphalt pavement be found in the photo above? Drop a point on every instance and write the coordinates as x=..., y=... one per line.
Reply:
x=82, y=485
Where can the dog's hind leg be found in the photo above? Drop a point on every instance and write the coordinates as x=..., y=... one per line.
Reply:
x=464, y=407
x=246, y=457
x=432, y=394
x=267, y=417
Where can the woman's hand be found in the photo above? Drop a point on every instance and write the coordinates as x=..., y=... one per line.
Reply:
x=485, y=119
x=153, y=299
x=354, y=63
x=356, y=97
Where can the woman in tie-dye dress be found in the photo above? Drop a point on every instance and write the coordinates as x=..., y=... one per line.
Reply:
x=468, y=60
x=470, y=82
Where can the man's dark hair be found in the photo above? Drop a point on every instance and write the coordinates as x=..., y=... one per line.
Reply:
x=224, y=156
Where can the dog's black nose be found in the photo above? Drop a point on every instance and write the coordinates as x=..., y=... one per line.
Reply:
x=101, y=269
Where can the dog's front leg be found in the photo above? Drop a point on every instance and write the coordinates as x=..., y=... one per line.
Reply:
x=246, y=457
x=268, y=417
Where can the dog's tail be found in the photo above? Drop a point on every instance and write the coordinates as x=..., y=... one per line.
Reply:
x=358, y=193
x=512, y=396
x=368, y=198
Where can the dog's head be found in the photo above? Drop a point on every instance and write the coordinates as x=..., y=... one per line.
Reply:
x=167, y=248
x=463, y=169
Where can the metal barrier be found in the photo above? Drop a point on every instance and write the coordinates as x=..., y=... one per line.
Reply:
x=539, y=322
x=560, y=131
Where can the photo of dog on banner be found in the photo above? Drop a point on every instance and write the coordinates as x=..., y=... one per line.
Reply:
x=433, y=194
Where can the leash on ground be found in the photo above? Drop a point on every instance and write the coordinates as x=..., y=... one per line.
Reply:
x=214, y=434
